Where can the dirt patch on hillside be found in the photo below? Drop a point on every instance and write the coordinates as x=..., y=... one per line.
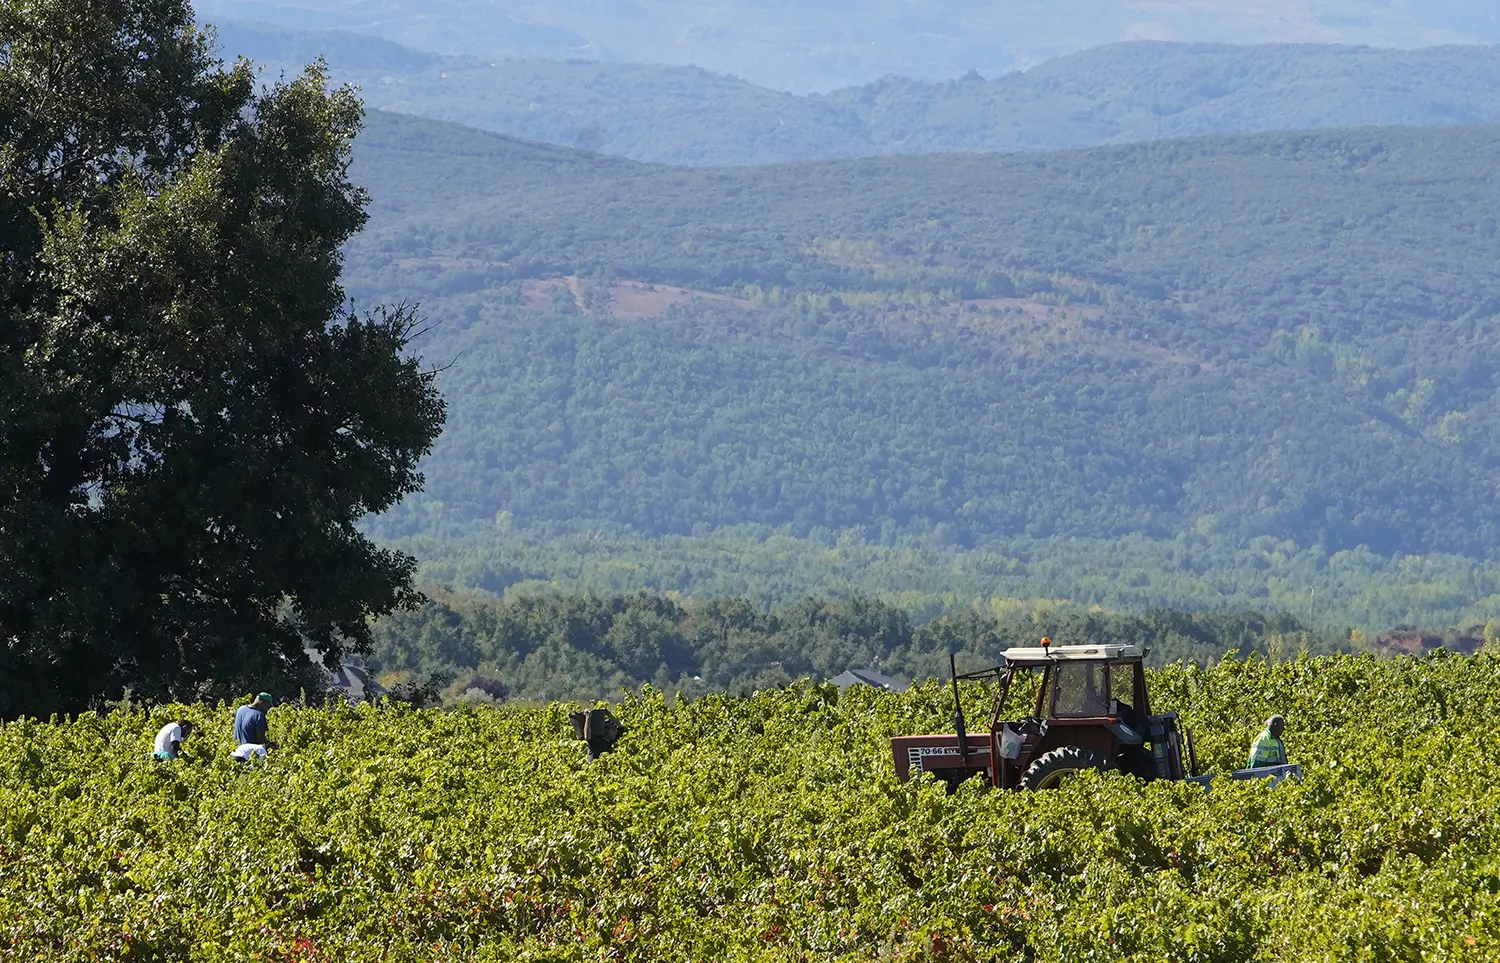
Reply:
x=1021, y=325
x=628, y=300
x=1033, y=327
x=633, y=299
x=545, y=296
x=1034, y=309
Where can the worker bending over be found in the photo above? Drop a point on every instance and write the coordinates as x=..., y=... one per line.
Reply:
x=170, y=739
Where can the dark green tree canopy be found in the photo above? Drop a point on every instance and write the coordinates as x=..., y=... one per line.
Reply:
x=192, y=419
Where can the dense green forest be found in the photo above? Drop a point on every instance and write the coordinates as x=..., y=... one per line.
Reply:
x=1287, y=336
x=1113, y=94
x=804, y=45
x=578, y=646
x=1338, y=591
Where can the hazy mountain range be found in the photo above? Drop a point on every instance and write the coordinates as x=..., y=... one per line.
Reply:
x=1113, y=94
x=825, y=44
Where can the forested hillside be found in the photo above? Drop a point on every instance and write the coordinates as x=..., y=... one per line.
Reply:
x=1287, y=336
x=825, y=44
x=1113, y=94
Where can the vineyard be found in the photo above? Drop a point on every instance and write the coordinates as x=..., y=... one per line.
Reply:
x=762, y=828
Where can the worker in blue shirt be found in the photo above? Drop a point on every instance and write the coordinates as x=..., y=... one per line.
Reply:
x=250, y=729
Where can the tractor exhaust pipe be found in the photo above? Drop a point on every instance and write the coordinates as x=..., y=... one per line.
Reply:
x=958, y=711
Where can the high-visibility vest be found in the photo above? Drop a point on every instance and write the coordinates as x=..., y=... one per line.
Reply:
x=1266, y=751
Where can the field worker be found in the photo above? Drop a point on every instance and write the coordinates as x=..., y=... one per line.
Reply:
x=1268, y=749
x=246, y=751
x=170, y=739
x=250, y=728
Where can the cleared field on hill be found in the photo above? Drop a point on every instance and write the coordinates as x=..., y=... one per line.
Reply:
x=762, y=828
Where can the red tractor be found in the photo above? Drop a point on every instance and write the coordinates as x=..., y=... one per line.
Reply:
x=1091, y=711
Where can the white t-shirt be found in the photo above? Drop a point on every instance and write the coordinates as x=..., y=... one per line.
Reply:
x=246, y=751
x=170, y=733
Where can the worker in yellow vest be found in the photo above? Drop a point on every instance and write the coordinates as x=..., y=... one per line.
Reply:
x=1268, y=749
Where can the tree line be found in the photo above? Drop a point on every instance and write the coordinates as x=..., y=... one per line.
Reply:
x=470, y=646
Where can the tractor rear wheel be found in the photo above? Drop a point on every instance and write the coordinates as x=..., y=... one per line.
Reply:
x=1053, y=767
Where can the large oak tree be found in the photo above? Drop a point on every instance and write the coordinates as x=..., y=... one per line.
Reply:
x=192, y=417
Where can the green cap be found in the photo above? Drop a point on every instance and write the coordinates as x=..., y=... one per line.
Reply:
x=265, y=697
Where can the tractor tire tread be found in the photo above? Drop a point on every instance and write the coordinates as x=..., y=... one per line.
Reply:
x=1052, y=765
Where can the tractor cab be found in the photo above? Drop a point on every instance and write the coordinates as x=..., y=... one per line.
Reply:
x=1088, y=709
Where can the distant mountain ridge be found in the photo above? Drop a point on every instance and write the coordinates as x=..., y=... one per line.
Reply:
x=1114, y=94
x=810, y=45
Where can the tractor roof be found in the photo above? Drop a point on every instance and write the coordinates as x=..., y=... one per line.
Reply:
x=1073, y=653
